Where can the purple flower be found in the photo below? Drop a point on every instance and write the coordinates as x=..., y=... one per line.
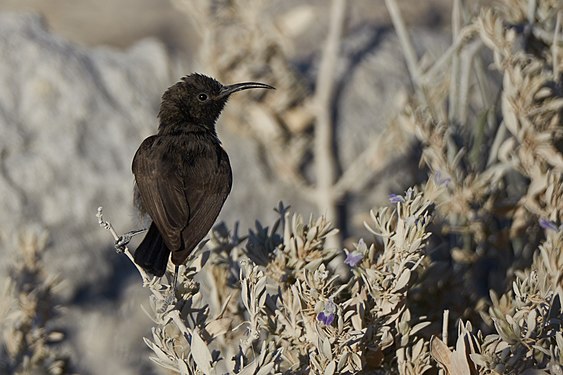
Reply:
x=548, y=224
x=327, y=315
x=325, y=319
x=353, y=258
x=395, y=198
x=441, y=179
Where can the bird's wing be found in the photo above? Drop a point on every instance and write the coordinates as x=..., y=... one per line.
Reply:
x=210, y=181
x=182, y=202
x=162, y=192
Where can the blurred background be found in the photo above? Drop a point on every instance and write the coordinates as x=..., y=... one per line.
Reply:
x=80, y=87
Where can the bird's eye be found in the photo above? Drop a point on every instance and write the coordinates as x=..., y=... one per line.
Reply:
x=202, y=97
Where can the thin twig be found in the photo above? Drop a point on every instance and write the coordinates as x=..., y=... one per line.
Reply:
x=107, y=225
x=454, y=100
x=555, y=47
x=468, y=57
x=406, y=45
x=325, y=160
x=445, y=326
x=440, y=65
x=410, y=54
x=497, y=142
x=532, y=6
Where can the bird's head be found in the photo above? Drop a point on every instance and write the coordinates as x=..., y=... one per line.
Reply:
x=197, y=100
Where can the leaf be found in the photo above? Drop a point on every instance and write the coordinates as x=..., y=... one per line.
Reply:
x=267, y=369
x=200, y=353
x=417, y=349
x=460, y=359
x=441, y=353
x=403, y=280
x=531, y=322
x=218, y=327
x=330, y=369
x=248, y=369
x=418, y=327
x=342, y=361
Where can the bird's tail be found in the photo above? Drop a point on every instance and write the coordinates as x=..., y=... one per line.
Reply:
x=152, y=254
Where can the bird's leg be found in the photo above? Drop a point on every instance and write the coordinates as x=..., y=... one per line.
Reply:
x=175, y=281
x=171, y=298
x=124, y=239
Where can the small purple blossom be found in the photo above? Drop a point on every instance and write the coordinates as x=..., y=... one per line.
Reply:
x=327, y=315
x=353, y=258
x=395, y=198
x=441, y=179
x=548, y=225
x=325, y=319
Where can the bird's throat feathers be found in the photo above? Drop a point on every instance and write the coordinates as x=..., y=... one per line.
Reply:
x=173, y=119
x=181, y=110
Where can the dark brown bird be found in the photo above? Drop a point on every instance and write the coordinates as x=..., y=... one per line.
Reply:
x=182, y=173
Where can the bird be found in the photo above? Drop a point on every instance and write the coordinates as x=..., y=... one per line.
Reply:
x=182, y=173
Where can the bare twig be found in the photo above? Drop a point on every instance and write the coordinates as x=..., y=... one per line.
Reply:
x=454, y=101
x=409, y=52
x=555, y=47
x=440, y=65
x=325, y=159
x=445, y=326
x=467, y=59
x=107, y=225
x=406, y=44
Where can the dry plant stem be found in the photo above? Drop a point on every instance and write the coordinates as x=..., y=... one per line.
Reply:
x=445, y=326
x=325, y=162
x=497, y=142
x=532, y=6
x=445, y=318
x=406, y=45
x=107, y=225
x=409, y=53
x=440, y=65
x=174, y=315
x=555, y=47
x=483, y=84
x=467, y=59
x=454, y=99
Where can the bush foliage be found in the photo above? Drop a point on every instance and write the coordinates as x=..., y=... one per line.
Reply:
x=460, y=274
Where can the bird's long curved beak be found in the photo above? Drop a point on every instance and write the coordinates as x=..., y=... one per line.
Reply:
x=228, y=90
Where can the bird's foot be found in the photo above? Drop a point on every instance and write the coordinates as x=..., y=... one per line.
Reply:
x=170, y=299
x=124, y=240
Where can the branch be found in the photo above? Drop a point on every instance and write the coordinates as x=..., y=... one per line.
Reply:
x=107, y=225
x=325, y=160
x=406, y=44
x=454, y=98
x=555, y=47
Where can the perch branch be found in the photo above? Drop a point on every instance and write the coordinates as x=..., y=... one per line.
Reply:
x=107, y=225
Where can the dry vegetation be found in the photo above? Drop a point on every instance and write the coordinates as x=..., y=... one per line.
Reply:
x=28, y=343
x=463, y=274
